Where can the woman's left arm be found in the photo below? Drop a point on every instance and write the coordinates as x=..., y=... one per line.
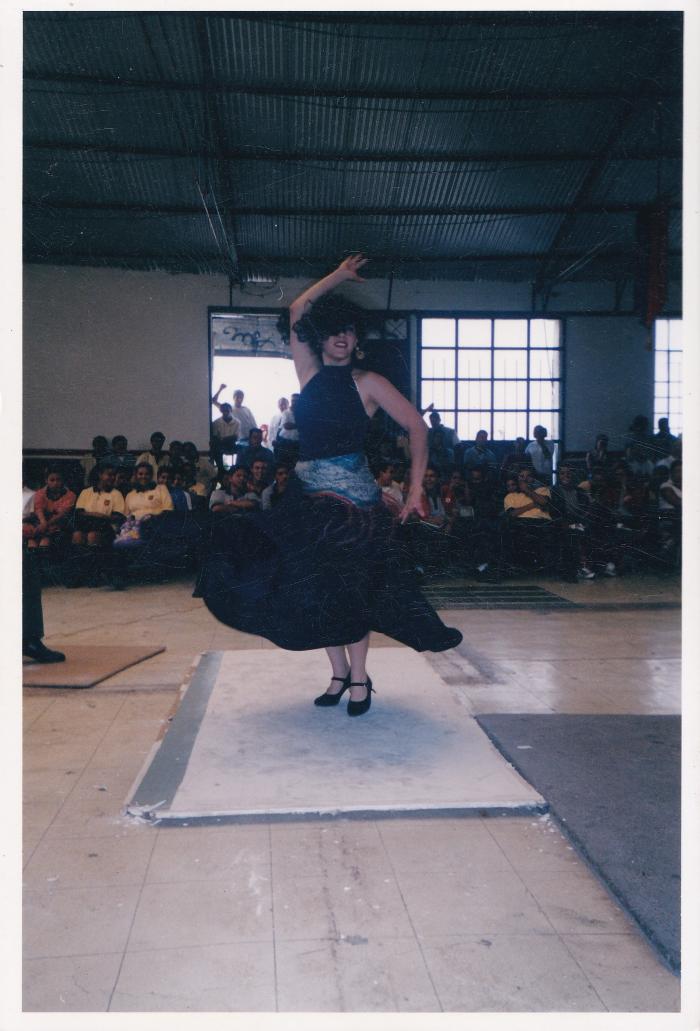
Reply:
x=379, y=391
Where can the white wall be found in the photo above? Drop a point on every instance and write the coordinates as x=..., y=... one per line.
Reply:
x=108, y=351
x=609, y=378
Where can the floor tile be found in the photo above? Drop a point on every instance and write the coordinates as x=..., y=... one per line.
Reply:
x=213, y=978
x=354, y=974
x=69, y=984
x=354, y=901
x=508, y=973
x=433, y=844
x=89, y=862
x=467, y=901
x=533, y=842
x=192, y=913
x=77, y=921
x=210, y=853
x=575, y=901
x=306, y=849
x=626, y=973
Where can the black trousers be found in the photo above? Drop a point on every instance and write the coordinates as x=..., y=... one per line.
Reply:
x=32, y=613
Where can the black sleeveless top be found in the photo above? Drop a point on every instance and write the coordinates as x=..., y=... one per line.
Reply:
x=330, y=415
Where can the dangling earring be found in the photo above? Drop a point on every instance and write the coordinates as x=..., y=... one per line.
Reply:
x=359, y=353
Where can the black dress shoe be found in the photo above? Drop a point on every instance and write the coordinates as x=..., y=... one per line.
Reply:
x=37, y=650
x=326, y=699
x=358, y=708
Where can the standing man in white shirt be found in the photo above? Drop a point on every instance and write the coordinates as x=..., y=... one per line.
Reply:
x=276, y=421
x=224, y=432
x=541, y=455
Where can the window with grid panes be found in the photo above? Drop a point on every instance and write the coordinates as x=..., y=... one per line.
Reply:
x=668, y=373
x=499, y=375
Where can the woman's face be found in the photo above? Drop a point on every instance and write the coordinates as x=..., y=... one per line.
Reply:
x=337, y=348
x=163, y=477
x=144, y=475
x=54, y=481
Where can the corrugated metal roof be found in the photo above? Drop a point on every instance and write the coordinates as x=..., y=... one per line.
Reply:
x=316, y=135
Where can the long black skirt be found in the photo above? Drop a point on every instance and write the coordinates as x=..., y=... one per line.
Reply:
x=314, y=572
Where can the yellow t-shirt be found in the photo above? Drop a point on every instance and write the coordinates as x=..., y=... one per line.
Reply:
x=149, y=502
x=517, y=500
x=100, y=502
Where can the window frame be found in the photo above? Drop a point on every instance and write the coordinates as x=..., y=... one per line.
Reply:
x=454, y=412
x=666, y=382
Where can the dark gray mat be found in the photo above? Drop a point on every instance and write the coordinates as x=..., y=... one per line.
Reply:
x=524, y=596
x=614, y=785
x=493, y=596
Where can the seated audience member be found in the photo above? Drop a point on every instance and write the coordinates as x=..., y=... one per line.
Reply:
x=541, y=455
x=258, y=477
x=156, y=457
x=225, y=432
x=176, y=454
x=29, y=519
x=483, y=495
x=124, y=480
x=528, y=526
x=639, y=463
x=32, y=614
x=100, y=450
x=453, y=493
x=197, y=492
x=432, y=489
x=254, y=451
x=204, y=471
x=569, y=508
x=391, y=490
x=272, y=494
x=99, y=511
x=664, y=462
x=120, y=454
x=671, y=507
x=600, y=454
x=473, y=537
x=618, y=480
x=276, y=421
x=602, y=521
x=233, y=496
x=147, y=498
x=53, y=507
x=514, y=460
x=175, y=482
x=442, y=441
x=479, y=456
x=426, y=537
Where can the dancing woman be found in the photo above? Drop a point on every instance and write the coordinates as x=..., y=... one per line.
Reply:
x=322, y=568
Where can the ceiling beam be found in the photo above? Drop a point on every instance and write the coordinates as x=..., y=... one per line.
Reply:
x=648, y=90
x=279, y=211
x=215, y=136
x=399, y=157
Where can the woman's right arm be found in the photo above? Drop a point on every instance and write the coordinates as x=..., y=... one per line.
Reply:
x=306, y=362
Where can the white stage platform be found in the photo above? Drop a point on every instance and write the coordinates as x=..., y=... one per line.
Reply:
x=247, y=742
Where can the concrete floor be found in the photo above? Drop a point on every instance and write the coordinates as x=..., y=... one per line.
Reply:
x=422, y=914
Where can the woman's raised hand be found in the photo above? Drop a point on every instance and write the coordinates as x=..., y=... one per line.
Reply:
x=350, y=267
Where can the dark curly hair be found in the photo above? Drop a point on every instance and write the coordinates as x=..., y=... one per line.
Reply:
x=329, y=315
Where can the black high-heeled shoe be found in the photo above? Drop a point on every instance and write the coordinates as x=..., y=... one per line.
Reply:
x=326, y=699
x=358, y=708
